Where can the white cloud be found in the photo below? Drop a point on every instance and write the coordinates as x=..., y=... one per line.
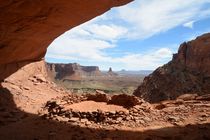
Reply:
x=189, y=24
x=80, y=45
x=149, y=60
x=139, y=20
x=79, y=48
x=163, y=53
x=148, y=18
x=110, y=32
x=93, y=51
x=106, y=32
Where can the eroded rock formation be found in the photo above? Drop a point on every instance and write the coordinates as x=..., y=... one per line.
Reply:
x=188, y=72
x=71, y=71
x=27, y=27
x=111, y=73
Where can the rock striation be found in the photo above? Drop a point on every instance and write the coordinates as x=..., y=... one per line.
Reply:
x=71, y=71
x=188, y=72
x=28, y=27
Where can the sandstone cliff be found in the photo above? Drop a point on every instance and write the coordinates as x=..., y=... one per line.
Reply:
x=71, y=71
x=27, y=27
x=188, y=72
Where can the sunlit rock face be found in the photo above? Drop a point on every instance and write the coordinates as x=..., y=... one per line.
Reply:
x=71, y=71
x=188, y=72
x=27, y=27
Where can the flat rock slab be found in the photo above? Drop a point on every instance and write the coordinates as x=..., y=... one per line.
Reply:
x=90, y=106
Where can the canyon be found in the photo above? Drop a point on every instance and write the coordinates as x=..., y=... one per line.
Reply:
x=88, y=79
x=34, y=107
x=173, y=102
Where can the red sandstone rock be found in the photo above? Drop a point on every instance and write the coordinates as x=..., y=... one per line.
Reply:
x=188, y=72
x=204, y=97
x=98, y=97
x=27, y=27
x=124, y=100
x=68, y=114
x=187, y=97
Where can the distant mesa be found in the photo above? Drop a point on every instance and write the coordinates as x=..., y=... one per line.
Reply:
x=75, y=71
x=72, y=71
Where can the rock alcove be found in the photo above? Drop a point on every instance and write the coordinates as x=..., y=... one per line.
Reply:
x=28, y=27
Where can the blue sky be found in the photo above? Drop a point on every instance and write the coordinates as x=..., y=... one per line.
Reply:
x=142, y=35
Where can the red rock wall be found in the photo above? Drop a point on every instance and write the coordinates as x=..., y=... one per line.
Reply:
x=188, y=72
x=195, y=55
x=29, y=70
x=27, y=27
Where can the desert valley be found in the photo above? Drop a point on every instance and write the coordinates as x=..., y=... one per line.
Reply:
x=40, y=100
x=87, y=79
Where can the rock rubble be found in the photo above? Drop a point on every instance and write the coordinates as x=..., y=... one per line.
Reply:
x=176, y=112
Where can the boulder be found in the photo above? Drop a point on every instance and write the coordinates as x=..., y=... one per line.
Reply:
x=98, y=97
x=40, y=78
x=124, y=100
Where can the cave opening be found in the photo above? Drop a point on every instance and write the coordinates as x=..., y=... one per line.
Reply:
x=114, y=52
x=136, y=39
x=107, y=53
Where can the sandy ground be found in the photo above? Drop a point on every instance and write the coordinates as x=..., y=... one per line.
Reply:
x=94, y=106
x=22, y=100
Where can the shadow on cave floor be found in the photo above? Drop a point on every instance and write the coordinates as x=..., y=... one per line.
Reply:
x=18, y=125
